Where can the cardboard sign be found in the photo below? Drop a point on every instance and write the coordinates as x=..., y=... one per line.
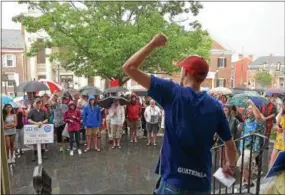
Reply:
x=35, y=135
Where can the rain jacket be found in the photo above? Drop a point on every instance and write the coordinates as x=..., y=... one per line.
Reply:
x=92, y=116
x=72, y=118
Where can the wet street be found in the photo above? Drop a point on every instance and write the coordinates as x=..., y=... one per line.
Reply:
x=129, y=170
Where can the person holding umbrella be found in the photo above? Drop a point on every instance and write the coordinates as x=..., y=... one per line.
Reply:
x=92, y=121
x=117, y=118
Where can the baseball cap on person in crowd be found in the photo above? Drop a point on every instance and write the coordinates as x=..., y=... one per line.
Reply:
x=196, y=66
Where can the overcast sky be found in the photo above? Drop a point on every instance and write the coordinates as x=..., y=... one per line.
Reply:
x=250, y=27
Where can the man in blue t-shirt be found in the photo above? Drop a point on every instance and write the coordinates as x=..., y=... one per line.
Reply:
x=191, y=120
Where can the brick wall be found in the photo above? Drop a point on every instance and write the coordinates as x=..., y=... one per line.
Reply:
x=225, y=72
x=20, y=69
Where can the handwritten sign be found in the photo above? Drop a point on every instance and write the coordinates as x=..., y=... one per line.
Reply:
x=35, y=135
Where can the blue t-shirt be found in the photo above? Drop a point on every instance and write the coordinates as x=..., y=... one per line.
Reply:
x=191, y=120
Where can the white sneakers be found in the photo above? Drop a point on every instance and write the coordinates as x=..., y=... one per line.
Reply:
x=71, y=153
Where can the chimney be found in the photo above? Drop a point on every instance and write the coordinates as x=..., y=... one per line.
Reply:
x=250, y=57
x=240, y=56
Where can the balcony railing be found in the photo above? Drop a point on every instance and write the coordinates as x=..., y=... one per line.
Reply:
x=218, y=154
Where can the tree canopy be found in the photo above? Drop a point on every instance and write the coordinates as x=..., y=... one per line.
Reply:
x=263, y=78
x=96, y=38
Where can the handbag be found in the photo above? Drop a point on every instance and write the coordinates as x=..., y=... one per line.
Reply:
x=65, y=131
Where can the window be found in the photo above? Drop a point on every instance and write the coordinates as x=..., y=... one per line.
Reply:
x=11, y=80
x=66, y=81
x=222, y=62
x=9, y=61
x=41, y=77
x=221, y=82
x=11, y=94
x=278, y=66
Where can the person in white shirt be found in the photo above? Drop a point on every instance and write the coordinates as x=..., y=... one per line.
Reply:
x=117, y=118
x=152, y=114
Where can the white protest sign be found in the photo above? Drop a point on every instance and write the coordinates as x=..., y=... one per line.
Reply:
x=35, y=135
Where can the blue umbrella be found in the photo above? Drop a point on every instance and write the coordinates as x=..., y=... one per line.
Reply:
x=5, y=99
x=8, y=100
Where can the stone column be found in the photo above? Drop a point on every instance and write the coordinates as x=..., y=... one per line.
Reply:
x=33, y=68
x=48, y=65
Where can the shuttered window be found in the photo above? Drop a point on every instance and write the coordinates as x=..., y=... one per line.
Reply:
x=222, y=62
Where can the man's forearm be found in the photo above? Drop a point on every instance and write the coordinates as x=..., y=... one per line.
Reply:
x=230, y=150
x=138, y=58
x=30, y=121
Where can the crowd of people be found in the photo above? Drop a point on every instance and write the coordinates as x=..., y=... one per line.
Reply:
x=254, y=119
x=79, y=120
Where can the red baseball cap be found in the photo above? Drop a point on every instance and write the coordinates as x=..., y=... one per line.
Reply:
x=196, y=66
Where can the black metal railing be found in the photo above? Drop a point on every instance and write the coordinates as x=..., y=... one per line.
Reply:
x=218, y=154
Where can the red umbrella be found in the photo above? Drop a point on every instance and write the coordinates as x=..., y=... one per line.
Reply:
x=53, y=86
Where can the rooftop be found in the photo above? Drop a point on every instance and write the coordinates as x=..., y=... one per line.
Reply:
x=269, y=60
x=12, y=39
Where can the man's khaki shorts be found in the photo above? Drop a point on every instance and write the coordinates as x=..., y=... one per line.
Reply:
x=246, y=159
x=134, y=124
x=92, y=131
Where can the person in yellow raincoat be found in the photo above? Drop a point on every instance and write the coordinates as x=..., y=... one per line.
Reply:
x=279, y=144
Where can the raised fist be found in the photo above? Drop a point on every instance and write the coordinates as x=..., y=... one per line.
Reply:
x=159, y=40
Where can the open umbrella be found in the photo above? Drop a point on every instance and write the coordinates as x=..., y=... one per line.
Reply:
x=241, y=100
x=221, y=90
x=90, y=90
x=53, y=86
x=116, y=90
x=270, y=92
x=5, y=99
x=32, y=86
x=107, y=102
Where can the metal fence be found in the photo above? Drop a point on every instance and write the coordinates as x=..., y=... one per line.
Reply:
x=255, y=167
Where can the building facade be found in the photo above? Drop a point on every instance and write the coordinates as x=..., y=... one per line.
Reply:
x=13, y=61
x=240, y=71
x=274, y=65
x=40, y=67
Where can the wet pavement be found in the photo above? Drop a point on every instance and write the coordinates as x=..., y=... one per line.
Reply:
x=129, y=170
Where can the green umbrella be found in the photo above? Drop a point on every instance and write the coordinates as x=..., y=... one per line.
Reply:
x=241, y=100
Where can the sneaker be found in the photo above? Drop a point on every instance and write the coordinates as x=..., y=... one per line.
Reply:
x=79, y=151
x=246, y=186
x=71, y=153
x=61, y=149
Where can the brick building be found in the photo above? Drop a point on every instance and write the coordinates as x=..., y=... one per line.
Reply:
x=13, y=60
x=240, y=71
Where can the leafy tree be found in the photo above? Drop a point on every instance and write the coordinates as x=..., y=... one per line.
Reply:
x=263, y=78
x=96, y=38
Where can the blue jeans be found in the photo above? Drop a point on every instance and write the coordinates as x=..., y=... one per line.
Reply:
x=166, y=188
